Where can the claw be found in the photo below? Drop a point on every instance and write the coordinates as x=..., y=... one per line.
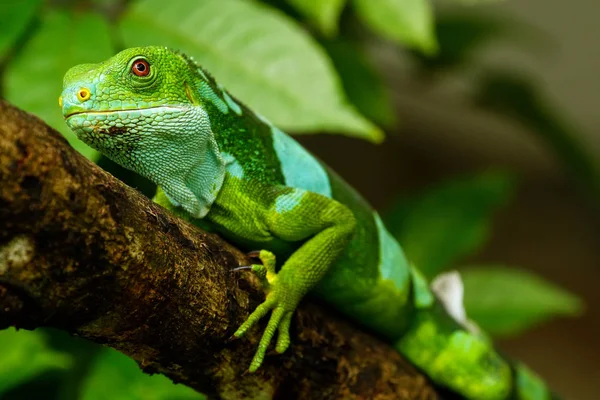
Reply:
x=272, y=353
x=254, y=254
x=231, y=339
x=242, y=267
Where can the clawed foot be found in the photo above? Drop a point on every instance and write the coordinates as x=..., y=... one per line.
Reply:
x=280, y=300
x=266, y=270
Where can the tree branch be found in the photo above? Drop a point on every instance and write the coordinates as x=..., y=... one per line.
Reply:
x=82, y=252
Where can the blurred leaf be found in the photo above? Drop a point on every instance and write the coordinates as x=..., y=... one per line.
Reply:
x=117, y=377
x=107, y=4
x=24, y=355
x=474, y=2
x=449, y=221
x=408, y=22
x=261, y=55
x=63, y=384
x=83, y=353
x=362, y=83
x=34, y=77
x=520, y=99
x=325, y=14
x=15, y=16
x=507, y=301
x=459, y=36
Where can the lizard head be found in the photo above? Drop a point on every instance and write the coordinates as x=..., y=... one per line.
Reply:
x=122, y=98
x=141, y=108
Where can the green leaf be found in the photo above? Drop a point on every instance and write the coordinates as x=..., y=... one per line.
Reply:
x=408, y=22
x=363, y=84
x=117, y=377
x=507, y=301
x=261, y=55
x=15, y=16
x=24, y=355
x=325, y=14
x=34, y=78
x=449, y=221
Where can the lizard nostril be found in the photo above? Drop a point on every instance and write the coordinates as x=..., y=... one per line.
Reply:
x=83, y=94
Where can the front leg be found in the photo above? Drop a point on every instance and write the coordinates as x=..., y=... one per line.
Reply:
x=295, y=216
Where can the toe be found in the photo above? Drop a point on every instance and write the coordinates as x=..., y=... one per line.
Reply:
x=283, y=336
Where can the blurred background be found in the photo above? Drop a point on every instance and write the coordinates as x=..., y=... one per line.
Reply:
x=471, y=125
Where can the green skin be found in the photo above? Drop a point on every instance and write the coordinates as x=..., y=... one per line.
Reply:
x=220, y=165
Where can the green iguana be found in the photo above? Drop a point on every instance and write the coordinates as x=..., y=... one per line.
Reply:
x=219, y=164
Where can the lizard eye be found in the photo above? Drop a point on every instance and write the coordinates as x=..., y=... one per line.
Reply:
x=140, y=67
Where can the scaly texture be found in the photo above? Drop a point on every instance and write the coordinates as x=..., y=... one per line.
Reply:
x=83, y=253
x=221, y=165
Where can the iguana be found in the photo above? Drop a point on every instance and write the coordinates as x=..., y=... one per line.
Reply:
x=220, y=165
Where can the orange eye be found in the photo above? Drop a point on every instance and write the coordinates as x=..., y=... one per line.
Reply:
x=140, y=67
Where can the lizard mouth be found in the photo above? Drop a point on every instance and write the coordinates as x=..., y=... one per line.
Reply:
x=124, y=110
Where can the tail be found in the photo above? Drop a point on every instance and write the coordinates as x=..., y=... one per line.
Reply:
x=455, y=354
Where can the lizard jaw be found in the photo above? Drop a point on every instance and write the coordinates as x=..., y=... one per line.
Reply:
x=109, y=112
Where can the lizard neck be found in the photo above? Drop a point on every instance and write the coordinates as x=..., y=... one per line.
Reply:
x=195, y=172
x=244, y=139
x=182, y=157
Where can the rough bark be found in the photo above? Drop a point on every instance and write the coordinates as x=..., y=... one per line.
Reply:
x=82, y=252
